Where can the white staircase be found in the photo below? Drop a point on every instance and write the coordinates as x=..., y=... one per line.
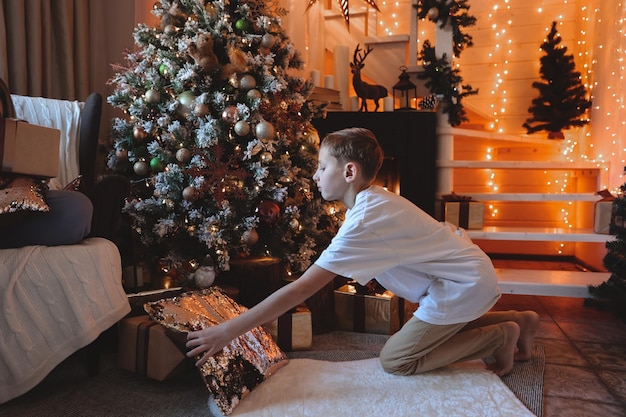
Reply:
x=511, y=169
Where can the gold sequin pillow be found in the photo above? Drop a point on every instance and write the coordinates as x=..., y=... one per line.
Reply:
x=21, y=193
x=242, y=365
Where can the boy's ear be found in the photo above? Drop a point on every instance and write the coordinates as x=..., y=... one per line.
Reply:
x=351, y=171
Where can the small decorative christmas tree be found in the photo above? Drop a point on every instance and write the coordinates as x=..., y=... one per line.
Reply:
x=218, y=142
x=611, y=294
x=445, y=81
x=562, y=97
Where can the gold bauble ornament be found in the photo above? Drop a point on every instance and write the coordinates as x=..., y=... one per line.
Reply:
x=152, y=96
x=190, y=193
x=254, y=94
x=186, y=99
x=242, y=128
x=139, y=134
x=294, y=224
x=433, y=14
x=250, y=237
x=230, y=114
x=183, y=155
x=266, y=157
x=264, y=130
x=247, y=82
x=121, y=155
x=201, y=109
x=141, y=168
x=268, y=40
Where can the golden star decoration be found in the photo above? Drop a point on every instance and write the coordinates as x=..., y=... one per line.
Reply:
x=344, y=5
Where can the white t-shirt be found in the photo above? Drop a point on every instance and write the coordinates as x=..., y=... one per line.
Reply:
x=385, y=236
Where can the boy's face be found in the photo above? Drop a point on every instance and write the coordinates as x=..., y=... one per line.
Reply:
x=329, y=176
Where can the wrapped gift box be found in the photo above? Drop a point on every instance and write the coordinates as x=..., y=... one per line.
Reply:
x=461, y=211
x=603, y=217
x=29, y=149
x=293, y=330
x=366, y=313
x=145, y=348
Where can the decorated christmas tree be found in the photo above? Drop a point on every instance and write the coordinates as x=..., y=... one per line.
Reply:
x=218, y=141
x=562, y=97
x=611, y=294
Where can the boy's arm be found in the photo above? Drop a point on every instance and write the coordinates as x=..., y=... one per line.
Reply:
x=212, y=339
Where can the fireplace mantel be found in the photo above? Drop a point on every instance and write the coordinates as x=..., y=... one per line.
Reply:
x=409, y=137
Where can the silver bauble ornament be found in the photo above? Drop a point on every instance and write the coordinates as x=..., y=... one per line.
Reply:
x=247, y=82
x=141, y=168
x=230, y=114
x=242, y=128
x=169, y=30
x=152, y=96
x=268, y=40
x=264, y=131
x=183, y=155
x=433, y=13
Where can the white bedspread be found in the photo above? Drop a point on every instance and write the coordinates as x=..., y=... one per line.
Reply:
x=54, y=301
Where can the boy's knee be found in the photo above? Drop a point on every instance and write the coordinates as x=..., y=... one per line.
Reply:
x=395, y=366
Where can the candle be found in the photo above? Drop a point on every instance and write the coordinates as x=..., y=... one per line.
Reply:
x=388, y=103
x=354, y=103
x=315, y=77
x=329, y=81
x=341, y=54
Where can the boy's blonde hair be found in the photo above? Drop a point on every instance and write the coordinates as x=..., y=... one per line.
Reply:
x=356, y=145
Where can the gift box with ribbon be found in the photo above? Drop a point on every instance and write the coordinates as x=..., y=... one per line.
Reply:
x=145, y=348
x=461, y=211
x=29, y=149
x=293, y=330
x=604, y=213
x=361, y=309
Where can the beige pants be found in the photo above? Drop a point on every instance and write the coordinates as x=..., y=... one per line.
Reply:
x=419, y=346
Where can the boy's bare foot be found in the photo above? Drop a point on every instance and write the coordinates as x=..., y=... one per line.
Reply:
x=528, y=322
x=504, y=354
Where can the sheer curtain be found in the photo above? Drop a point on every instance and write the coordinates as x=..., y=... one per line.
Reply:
x=608, y=115
x=45, y=47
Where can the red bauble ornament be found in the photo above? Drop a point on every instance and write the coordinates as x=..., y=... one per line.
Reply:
x=269, y=213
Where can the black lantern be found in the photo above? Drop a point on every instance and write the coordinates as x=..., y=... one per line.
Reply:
x=406, y=90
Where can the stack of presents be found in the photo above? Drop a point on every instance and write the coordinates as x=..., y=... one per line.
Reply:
x=151, y=349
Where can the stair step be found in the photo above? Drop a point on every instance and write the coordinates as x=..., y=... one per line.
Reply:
x=538, y=234
x=543, y=165
x=548, y=282
x=462, y=133
x=531, y=196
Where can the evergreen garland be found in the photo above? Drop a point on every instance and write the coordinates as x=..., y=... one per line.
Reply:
x=611, y=294
x=562, y=97
x=446, y=82
x=453, y=12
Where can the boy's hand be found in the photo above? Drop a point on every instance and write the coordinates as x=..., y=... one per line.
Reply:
x=209, y=340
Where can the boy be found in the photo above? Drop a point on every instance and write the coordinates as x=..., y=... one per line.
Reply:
x=386, y=237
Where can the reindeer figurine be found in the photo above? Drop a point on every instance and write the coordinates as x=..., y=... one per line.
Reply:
x=364, y=90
